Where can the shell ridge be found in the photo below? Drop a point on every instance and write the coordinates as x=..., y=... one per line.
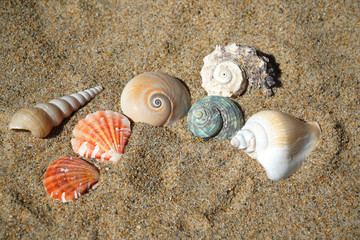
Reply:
x=114, y=133
x=81, y=132
x=114, y=149
x=98, y=134
x=108, y=132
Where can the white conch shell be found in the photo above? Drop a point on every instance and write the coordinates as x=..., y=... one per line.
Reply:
x=155, y=98
x=278, y=141
x=41, y=118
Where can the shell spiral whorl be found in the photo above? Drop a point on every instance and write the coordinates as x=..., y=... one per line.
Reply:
x=41, y=118
x=215, y=116
x=155, y=98
x=157, y=101
x=228, y=71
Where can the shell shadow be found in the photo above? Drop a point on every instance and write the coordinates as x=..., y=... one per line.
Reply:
x=273, y=68
x=57, y=130
x=184, y=84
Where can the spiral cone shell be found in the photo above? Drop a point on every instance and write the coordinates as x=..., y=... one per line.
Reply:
x=155, y=98
x=68, y=178
x=41, y=118
x=278, y=141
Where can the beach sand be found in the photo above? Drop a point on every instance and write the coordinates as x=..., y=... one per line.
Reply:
x=170, y=184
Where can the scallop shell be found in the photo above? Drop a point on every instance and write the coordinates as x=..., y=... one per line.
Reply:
x=227, y=70
x=41, y=118
x=68, y=178
x=101, y=135
x=215, y=116
x=155, y=98
x=278, y=141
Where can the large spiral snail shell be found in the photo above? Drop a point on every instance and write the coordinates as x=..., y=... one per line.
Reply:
x=228, y=69
x=41, y=118
x=215, y=116
x=278, y=141
x=155, y=98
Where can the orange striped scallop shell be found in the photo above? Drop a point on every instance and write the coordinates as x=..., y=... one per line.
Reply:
x=68, y=178
x=101, y=135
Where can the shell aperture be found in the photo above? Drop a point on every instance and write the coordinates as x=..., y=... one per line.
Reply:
x=279, y=142
x=155, y=98
x=214, y=116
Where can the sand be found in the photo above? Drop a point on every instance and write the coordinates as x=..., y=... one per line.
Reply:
x=170, y=184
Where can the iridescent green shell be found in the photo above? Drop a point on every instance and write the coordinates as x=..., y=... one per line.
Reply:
x=215, y=116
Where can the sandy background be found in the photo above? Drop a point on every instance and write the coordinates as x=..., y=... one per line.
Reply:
x=170, y=184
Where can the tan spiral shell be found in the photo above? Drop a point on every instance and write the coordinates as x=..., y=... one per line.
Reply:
x=41, y=118
x=155, y=98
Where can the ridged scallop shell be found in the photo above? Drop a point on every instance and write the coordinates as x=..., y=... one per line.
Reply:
x=227, y=70
x=101, y=135
x=155, y=98
x=41, y=118
x=68, y=178
x=215, y=116
x=278, y=141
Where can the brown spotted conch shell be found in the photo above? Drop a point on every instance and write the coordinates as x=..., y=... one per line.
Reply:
x=41, y=118
x=155, y=98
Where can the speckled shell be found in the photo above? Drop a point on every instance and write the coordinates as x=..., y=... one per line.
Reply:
x=155, y=98
x=278, y=141
x=101, y=135
x=68, y=178
x=215, y=116
x=41, y=118
x=228, y=69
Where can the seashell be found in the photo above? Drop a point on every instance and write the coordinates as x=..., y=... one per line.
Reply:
x=68, y=178
x=278, y=141
x=227, y=70
x=215, y=116
x=101, y=135
x=155, y=98
x=41, y=118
